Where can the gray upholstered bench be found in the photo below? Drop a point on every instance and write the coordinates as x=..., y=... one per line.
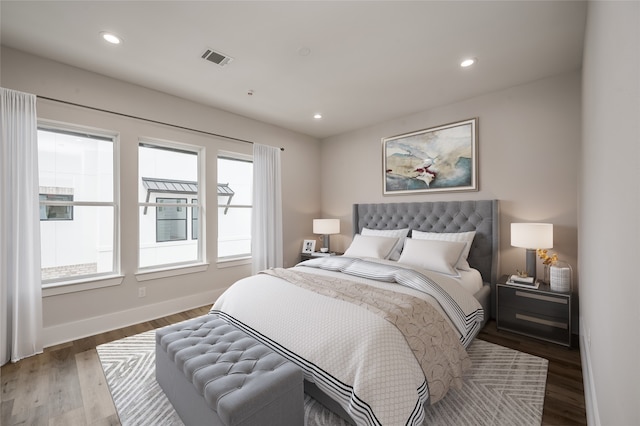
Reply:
x=215, y=374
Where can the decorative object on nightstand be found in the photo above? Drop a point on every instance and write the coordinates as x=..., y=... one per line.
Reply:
x=308, y=246
x=326, y=227
x=547, y=261
x=535, y=312
x=560, y=276
x=526, y=282
x=532, y=236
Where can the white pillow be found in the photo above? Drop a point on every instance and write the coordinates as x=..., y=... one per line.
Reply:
x=437, y=256
x=465, y=237
x=370, y=246
x=400, y=234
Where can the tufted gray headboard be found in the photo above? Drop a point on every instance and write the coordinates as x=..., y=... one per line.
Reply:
x=441, y=216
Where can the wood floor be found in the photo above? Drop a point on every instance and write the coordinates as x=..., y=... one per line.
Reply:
x=66, y=386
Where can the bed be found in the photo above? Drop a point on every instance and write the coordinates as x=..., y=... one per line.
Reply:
x=377, y=336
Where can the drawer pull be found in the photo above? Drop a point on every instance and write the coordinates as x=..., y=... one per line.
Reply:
x=561, y=300
x=561, y=325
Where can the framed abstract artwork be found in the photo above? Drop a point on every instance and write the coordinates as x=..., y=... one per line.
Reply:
x=438, y=159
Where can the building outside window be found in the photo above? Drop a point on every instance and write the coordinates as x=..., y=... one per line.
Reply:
x=78, y=203
x=53, y=212
x=171, y=222
x=169, y=174
x=235, y=198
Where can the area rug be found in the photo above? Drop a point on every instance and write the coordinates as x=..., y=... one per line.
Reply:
x=503, y=387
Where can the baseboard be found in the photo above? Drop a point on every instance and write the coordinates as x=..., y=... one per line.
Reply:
x=590, y=400
x=67, y=332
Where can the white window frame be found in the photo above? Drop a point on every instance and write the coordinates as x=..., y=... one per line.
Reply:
x=230, y=261
x=93, y=281
x=200, y=264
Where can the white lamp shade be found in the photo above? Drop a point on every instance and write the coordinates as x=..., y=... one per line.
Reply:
x=326, y=226
x=532, y=235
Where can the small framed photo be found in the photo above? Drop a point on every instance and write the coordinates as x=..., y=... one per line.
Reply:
x=308, y=246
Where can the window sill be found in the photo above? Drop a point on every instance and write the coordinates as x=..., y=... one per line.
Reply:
x=152, y=274
x=230, y=263
x=55, y=289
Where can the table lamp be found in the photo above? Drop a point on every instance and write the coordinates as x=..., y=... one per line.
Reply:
x=532, y=236
x=326, y=227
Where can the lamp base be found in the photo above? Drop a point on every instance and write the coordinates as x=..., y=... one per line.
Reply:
x=325, y=243
x=531, y=263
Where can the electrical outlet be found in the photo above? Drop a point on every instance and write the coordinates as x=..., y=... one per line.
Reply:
x=142, y=291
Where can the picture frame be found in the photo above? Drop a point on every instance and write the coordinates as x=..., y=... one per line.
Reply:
x=308, y=246
x=438, y=159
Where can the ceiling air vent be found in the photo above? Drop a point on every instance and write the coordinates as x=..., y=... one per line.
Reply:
x=216, y=57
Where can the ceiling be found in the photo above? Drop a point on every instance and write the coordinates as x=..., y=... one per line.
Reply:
x=366, y=61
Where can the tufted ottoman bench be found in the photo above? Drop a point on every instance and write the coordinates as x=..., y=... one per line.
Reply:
x=215, y=374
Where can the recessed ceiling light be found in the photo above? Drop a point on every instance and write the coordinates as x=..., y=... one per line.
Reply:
x=468, y=62
x=317, y=116
x=111, y=38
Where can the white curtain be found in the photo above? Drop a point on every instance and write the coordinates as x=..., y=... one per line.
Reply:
x=266, y=238
x=20, y=284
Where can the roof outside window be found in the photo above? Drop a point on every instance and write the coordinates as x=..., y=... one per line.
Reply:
x=182, y=187
x=173, y=186
x=225, y=191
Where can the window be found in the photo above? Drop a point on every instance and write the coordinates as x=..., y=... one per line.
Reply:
x=78, y=204
x=169, y=174
x=54, y=212
x=171, y=222
x=235, y=198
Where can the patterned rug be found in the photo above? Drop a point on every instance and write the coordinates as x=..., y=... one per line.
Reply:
x=503, y=387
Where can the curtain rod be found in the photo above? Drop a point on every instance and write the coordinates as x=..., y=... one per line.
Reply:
x=148, y=120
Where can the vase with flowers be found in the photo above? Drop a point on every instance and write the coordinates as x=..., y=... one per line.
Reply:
x=547, y=261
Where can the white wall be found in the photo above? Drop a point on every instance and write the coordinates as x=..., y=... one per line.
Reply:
x=609, y=206
x=528, y=151
x=74, y=315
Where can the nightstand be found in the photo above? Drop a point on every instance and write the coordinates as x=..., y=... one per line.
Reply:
x=539, y=313
x=307, y=256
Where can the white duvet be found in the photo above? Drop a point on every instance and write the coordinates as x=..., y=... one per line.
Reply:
x=355, y=356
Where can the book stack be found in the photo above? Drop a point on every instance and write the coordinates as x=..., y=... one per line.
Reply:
x=519, y=281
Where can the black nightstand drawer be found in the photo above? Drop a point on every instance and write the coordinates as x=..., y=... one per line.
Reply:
x=536, y=325
x=554, y=306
